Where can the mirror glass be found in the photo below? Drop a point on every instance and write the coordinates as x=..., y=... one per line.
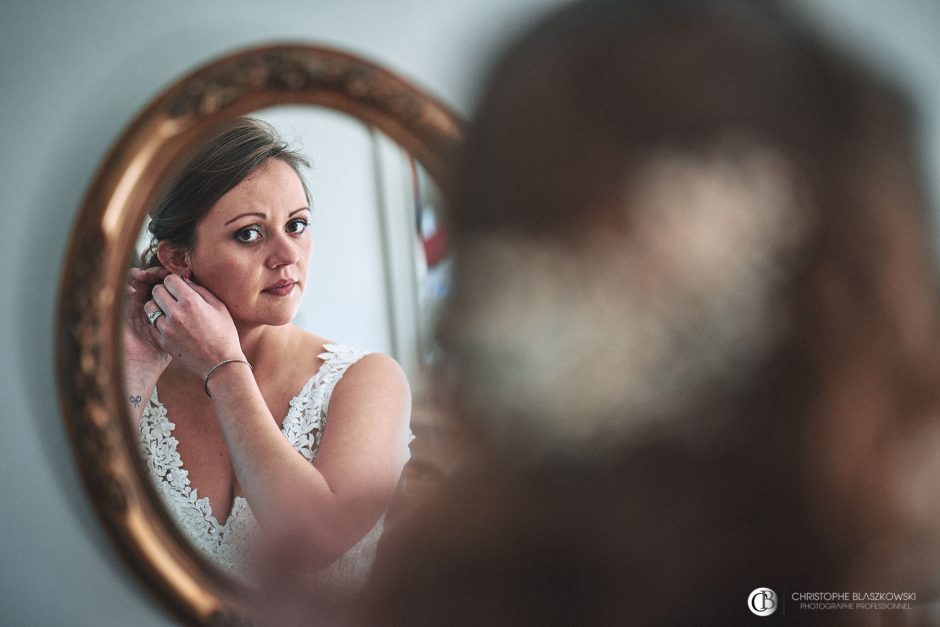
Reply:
x=378, y=270
x=379, y=266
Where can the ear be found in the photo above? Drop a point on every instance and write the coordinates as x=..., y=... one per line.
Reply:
x=174, y=258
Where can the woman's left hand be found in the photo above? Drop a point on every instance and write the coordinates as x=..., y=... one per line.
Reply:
x=196, y=328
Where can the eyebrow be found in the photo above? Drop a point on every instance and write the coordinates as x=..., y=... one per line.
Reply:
x=261, y=215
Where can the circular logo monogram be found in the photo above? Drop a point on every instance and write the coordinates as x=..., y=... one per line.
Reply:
x=762, y=602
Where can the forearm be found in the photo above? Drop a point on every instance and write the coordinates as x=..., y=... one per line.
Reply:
x=139, y=381
x=288, y=495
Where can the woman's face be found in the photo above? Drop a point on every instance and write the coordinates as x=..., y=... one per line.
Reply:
x=253, y=246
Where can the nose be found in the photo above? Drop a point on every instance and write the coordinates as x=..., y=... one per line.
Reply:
x=282, y=251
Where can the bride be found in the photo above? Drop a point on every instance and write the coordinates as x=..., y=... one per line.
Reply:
x=255, y=430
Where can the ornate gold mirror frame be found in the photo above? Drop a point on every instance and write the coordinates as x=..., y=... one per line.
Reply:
x=89, y=312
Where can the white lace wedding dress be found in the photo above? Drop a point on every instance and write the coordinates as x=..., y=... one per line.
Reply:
x=228, y=544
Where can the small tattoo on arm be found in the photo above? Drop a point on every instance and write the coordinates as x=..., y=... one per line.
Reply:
x=136, y=400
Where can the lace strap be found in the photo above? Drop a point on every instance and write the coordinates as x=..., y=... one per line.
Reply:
x=336, y=361
x=306, y=419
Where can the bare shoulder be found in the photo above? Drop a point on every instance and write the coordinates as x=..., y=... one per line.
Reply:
x=365, y=444
x=374, y=377
x=373, y=394
x=369, y=413
x=305, y=342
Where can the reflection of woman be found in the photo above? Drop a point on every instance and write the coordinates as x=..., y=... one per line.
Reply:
x=248, y=423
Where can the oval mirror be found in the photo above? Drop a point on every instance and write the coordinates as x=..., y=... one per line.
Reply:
x=321, y=99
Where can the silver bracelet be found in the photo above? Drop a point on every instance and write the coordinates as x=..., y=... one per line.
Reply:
x=205, y=382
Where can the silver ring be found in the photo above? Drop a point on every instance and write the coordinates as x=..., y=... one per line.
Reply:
x=153, y=315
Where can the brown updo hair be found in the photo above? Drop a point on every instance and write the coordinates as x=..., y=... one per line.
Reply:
x=238, y=149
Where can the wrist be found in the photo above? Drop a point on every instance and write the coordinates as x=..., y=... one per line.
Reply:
x=143, y=374
x=218, y=371
x=211, y=359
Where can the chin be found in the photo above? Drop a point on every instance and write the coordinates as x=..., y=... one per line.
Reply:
x=275, y=318
x=280, y=318
x=272, y=317
x=280, y=322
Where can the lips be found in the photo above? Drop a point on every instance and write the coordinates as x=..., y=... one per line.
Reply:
x=281, y=288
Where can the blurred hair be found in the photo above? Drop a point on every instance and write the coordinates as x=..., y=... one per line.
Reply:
x=225, y=160
x=589, y=92
x=712, y=182
x=614, y=139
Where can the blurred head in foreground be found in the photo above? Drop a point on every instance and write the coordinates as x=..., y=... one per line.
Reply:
x=694, y=328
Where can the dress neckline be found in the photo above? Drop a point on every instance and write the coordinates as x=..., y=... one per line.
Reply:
x=303, y=426
x=290, y=429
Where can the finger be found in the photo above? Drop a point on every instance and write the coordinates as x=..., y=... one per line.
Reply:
x=142, y=281
x=163, y=299
x=150, y=313
x=157, y=272
x=139, y=289
x=180, y=286
x=207, y=296
x=155, y=336
x=164, y=293
x=150, y=306
x=150, y=275
x=176, y=286
x=135, y=297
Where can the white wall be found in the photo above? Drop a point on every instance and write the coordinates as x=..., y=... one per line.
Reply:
x=72, y=75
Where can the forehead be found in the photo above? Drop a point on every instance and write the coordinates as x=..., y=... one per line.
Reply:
x=271, y=189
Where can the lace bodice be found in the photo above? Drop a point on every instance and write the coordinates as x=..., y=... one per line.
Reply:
x=228, y=544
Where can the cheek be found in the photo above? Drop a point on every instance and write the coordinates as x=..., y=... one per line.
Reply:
x=229, y=294
x=304, y=254
x=225, y=278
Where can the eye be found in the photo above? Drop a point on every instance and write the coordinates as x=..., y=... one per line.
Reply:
x=248, y=234
x=297, y=226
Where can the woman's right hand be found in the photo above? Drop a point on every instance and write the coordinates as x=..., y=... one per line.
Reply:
x=144, y=361
x=195, y=327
